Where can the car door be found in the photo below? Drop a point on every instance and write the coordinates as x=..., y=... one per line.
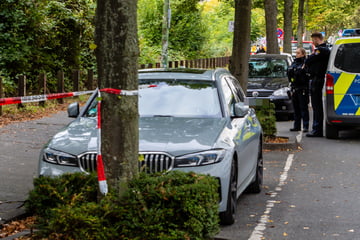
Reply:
x=242, y=133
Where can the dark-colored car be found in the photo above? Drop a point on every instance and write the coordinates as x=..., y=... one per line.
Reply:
x=268, y=79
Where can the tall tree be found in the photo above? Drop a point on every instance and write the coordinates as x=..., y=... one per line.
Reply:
x=117, y=53
x=301, y=24
x=271, y=12
x=288, y=12
x=239, y=66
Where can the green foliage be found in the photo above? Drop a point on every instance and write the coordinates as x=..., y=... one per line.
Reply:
x=266, y=115
x=175, y=205
x=45, y=36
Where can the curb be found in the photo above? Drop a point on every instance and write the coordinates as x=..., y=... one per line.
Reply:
x=292, y=144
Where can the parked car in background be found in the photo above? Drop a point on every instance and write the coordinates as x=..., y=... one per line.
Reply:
x=342, y=99
x=190, y=120
x=268, y=79
x=307, y=45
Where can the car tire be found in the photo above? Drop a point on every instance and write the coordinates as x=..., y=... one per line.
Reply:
x=228, y=217
x=331, y=132
x=256, y=186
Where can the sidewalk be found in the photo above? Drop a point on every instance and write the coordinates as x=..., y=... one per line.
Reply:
x=20, y=145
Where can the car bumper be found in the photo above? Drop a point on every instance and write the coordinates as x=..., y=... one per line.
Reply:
x=219, y=170
x=283, y=106
x=340, y=121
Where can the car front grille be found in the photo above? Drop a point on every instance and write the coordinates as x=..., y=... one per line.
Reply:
x=149, y=162
x=155, y=162
x=87, y=162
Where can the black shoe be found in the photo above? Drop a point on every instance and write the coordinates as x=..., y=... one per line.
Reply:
x=305, y=130
x=295, y=129
x=312, y=134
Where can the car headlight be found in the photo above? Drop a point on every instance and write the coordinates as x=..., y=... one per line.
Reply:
x=200, y=158
x=60, y=158
x=282, y=92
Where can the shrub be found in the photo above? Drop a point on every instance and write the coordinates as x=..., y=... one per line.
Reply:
x=175, y=205
x=266, y=115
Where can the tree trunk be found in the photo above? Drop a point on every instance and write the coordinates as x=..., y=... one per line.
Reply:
x=288, y=12
x=300, y=28
x=271, y=10
x=239, y=66
x=117, y=52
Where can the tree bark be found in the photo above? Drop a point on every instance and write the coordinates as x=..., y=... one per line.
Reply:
x=300, y=28
x=239, y=66
x=288, y=12
x=271, y=10
x=117, y=53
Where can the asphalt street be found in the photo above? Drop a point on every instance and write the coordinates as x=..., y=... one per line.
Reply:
x=311, y=193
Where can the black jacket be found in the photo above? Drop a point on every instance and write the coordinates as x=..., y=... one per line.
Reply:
x=317, y=62
x=297, y=74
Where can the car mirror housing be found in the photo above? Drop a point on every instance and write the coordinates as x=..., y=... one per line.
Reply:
x=73, y=110
x=240, y=109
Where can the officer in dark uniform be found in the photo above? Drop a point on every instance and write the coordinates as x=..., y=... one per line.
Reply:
x=316, y=64
x=300, y=91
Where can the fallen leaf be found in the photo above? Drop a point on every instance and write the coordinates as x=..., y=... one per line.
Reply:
x=285, y=234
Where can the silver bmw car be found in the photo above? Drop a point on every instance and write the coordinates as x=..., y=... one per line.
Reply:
x=192, y=120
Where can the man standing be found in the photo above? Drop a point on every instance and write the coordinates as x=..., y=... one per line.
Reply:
x=317, y=64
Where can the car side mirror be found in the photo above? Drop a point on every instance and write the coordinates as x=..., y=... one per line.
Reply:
x=240, y=109
x=73, y=110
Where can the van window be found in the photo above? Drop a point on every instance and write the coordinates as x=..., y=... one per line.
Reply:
x=348, y=57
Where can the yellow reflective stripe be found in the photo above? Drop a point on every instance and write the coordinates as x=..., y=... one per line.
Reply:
x=347, y=40
x=358, y=112
x=341, y=87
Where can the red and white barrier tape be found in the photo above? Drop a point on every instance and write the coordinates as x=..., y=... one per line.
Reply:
x=100, y=165
x=40, y=98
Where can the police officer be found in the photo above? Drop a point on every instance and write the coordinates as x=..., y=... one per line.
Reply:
x=316, y=64
x=300, y=90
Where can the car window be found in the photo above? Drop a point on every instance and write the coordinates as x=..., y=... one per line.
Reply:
x=230, y=97
x=267, y=67
x=179, y=98
x=348, y=57
x=236, y=87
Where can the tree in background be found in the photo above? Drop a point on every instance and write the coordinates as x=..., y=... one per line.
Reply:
x=288, y=12
x=239, y=65
x=117, y=54
x=271, y=12
x=300, y=27
x=44, y=36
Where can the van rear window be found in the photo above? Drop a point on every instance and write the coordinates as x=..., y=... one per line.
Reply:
x=348, y=57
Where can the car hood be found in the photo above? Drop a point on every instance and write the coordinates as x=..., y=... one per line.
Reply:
x=176, y=136
x=267, y=83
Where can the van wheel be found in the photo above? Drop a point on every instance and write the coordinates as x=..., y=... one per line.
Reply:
x=331, y=131
x=255, y=187
x=228, y=217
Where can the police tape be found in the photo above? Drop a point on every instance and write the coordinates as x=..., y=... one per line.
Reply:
x=40, y=98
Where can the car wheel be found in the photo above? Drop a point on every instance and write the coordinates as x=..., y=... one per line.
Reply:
x=228, y=217
x=256, y=186
x=331, y=132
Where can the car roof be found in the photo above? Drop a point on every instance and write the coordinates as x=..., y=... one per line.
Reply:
x=181, y=73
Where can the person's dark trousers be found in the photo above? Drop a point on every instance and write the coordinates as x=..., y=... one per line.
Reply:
x=317, y=105
x=300, y=99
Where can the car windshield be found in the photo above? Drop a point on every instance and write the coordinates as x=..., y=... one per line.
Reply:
x=176, y=98
x=267, y=67
x=348, y=57
x=179, y=98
